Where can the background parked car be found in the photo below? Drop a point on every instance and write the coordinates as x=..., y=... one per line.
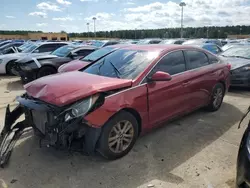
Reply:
x=211, y=47
x=172, y=41
x=31, y=68
x=202, y=41
x=4, y=42
x=149, y=41
x=239, y=58
x=35, y=49
x=103, y=43
x=243, y=160
x=10, y=47
x=91, y=58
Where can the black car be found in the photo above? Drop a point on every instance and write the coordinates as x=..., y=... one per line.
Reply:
x=239, y=58
x=243, y=161
x=30, y=68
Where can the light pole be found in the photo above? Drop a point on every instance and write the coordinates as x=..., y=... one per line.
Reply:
x=207, y=33
x=135, y=33
x=182, y=4
x=88, y=29
x=240, y=30
x=94, y=18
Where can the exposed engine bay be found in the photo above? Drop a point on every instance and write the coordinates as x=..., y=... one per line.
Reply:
x=59, y=127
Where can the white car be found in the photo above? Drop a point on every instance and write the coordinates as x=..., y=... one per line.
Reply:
x=34, y=50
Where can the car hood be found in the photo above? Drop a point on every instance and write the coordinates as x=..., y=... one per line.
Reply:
x=12, y=56
x=66, y=88
x=73, y=66
x=236, y=62
x=37, y=56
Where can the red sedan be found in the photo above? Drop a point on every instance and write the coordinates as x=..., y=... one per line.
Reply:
x=107, y=105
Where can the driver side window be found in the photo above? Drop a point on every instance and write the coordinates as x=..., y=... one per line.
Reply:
x=172, y=63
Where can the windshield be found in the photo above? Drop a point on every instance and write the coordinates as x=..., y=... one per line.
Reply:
x=63, y=51
x=30, y=48
x=97, y=54
x=123, y=63
x=243, y=52
x=25, y=45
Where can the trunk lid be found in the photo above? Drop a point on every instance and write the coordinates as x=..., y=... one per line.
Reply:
x=66, y=88
x=236, y=62
x=73, y=66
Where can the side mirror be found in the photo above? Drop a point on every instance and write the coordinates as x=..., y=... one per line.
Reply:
x=73, y=55
x=160, y=76
x=36, y=51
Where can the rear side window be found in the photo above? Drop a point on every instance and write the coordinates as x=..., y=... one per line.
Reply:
x=49, y=47
x=172, y=63
x=196, y=59
x=212, y=59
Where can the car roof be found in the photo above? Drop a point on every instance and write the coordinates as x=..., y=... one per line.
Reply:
x=42, y=43
x=159, y=47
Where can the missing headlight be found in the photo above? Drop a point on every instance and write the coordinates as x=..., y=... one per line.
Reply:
x=84, y=107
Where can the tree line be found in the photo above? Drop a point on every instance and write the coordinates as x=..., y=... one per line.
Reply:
x=189, y=32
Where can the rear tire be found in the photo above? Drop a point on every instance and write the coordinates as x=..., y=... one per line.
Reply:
x=45, y=71
x=216, y=98
x=118, y=136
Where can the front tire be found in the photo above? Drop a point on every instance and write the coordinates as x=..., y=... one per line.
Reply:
x=9, y=66
x=118, y=136
x=216, y=98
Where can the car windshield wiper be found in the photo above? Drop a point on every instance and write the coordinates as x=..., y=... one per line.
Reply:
x=237, y=56
x=89, y=60
x=100, y=66
x=118, y=73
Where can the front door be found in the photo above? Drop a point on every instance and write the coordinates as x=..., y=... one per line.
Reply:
x=167, y=99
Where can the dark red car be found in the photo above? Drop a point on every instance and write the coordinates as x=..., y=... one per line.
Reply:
x=108, y=104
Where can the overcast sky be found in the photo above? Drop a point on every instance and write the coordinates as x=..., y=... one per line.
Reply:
x=72, y=15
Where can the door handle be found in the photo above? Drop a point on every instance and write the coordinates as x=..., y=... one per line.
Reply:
x=186, y=83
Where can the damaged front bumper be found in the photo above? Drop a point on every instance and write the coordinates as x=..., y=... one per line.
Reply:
x=51, y=128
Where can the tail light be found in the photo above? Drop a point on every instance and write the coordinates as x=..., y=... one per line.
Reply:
x=229, y=66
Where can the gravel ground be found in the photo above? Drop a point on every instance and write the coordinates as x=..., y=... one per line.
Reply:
x=198, y=150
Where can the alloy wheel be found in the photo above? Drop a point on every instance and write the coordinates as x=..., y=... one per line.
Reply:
x=218, y=97
x=121, y=136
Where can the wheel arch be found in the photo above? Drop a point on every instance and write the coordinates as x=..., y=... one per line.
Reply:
x=137, y=117
x=7, y=63
x=132, y=111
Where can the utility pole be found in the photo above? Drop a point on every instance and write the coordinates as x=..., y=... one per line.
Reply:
x=94, y=18
x=135, y=33
x=182, y=4
x=88, y=29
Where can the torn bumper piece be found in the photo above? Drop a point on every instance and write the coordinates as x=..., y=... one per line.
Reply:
x=49, y=124
x=10, y=134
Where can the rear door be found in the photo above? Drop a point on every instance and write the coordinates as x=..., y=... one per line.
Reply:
x=167, y=99
x=200, y=77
